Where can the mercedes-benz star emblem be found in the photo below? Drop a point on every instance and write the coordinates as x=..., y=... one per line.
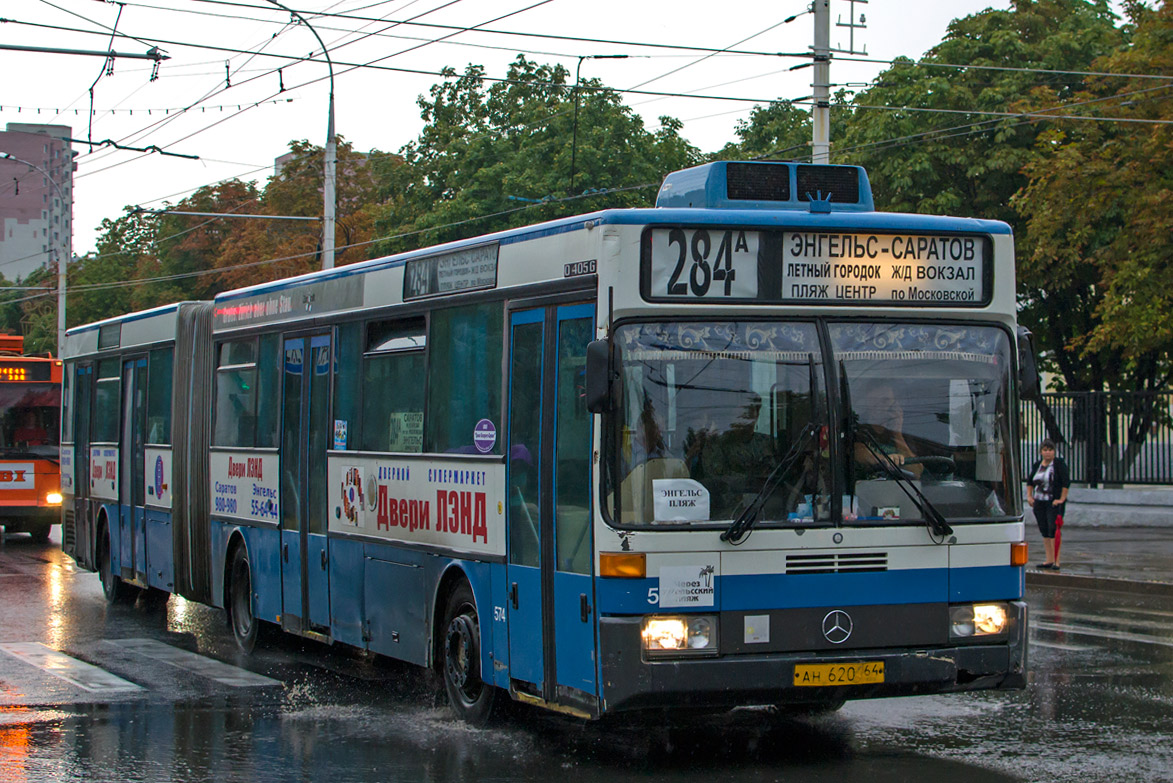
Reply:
x=837, y=626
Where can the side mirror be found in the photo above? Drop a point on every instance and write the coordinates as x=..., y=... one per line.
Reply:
x=1028, y=366
x=598, y=376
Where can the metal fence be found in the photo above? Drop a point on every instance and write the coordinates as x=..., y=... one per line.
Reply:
x=1105, y=437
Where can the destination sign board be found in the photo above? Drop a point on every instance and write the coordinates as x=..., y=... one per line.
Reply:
x=462, y=270
x=816, y=267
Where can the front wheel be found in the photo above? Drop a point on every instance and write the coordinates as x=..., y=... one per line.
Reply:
x=470, y=697
x=245, y=626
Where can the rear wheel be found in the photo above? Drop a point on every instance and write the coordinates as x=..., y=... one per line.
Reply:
x=470, y=697
x=245, y=626
x=40, y=532
x=115, y=590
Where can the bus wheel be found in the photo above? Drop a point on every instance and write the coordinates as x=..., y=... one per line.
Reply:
x=113, y=587
x=470, y=697
x=245, y=626
x=40, y=532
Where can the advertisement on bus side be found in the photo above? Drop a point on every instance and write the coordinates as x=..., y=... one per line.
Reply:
x=245, y=486
x=104, y=472
x=456, y=504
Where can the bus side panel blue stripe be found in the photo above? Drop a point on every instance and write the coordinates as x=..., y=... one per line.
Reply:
x=347, y=579
x=779, y=591
x=160, y=563
x=264, y=549
x=987, y=583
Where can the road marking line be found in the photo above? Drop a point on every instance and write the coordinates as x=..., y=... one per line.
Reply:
x=1126, y=610
x=62, y=666
x=1080, y=630
x=1067, y=647
x=223, y=673
x=1150, y=625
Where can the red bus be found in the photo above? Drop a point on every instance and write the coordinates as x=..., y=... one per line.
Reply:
x=30, y=429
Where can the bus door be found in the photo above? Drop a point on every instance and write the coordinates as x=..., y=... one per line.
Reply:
x=83, y=539
x=551, y=595
x=131, y=480
x=305, y=555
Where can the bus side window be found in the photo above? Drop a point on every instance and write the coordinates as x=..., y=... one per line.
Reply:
x=236, y=386
x=464, y=375
x=159, y=397
x=393, y=387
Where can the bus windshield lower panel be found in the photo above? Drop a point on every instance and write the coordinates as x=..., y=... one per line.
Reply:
x=714, y=416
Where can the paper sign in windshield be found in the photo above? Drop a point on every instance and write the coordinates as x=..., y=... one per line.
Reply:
x=680, y=500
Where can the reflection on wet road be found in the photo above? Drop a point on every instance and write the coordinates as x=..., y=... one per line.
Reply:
x=1098, y=708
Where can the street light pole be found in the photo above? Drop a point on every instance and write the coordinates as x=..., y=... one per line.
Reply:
x=330, y=172
x=62, y=257
x=574, y=132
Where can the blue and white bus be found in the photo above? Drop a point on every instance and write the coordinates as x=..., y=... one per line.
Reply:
x=754, y=446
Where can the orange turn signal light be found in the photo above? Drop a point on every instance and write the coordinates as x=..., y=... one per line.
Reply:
x=629, y=565
x=1018, y=554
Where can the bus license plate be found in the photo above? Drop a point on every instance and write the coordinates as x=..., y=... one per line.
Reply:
x=824, y=674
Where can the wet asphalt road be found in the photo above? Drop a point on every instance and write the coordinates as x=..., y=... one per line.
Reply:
x=1099, y=707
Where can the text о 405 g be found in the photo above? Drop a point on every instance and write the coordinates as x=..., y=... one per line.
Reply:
x=703, y=275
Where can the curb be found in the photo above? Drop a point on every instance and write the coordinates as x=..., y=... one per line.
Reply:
x=1114, y=584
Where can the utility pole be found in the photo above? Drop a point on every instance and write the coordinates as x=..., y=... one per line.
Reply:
x=330, y=167
x=821, y=113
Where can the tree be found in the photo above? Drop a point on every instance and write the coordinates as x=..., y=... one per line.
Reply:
x=296, y=245
x=776, y=130
x=1096, y=273
x=963, y=163
x=496, y=157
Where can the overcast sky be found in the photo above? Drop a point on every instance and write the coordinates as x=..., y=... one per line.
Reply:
x=376, y=109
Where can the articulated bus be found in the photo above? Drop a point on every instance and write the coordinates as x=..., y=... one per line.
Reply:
x=30, y=410
x=754, y=446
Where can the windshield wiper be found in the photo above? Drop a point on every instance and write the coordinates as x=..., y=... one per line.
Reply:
x=932, y=516
x=741, y=527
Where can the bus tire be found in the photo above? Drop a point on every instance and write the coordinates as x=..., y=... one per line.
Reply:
x=115, y=590
x=245, y=626
x=40, y=532
x=469, y=696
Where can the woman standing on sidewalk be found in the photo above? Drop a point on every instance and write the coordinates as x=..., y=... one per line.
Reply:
x=1046, y=493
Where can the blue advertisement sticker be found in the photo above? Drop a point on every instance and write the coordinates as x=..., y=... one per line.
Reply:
x=484, y=436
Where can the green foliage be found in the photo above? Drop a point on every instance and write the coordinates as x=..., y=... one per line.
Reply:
x=502, y=156
x=970, y=164
x=1095, y=275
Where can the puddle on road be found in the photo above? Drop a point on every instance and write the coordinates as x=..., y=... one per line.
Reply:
x=299, y=740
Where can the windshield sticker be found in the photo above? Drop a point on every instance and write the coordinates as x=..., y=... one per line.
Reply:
x=680, y=500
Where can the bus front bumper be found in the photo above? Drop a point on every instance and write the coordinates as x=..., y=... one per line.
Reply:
x=632, y=682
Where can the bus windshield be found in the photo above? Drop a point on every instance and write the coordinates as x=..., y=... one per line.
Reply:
x=712, y=413
x=929, y=403
x=30, y=419
x=708, y=411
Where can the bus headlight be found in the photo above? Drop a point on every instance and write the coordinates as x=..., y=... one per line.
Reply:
x=694, y=634
x=977, y=620
x=53, y=498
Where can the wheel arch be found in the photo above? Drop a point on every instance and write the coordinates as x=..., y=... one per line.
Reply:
x=452, y=575
x=235, y=539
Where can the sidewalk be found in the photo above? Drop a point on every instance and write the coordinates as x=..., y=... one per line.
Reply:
x=1122, y=558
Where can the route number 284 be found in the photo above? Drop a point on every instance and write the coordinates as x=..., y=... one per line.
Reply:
x=700, y=263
